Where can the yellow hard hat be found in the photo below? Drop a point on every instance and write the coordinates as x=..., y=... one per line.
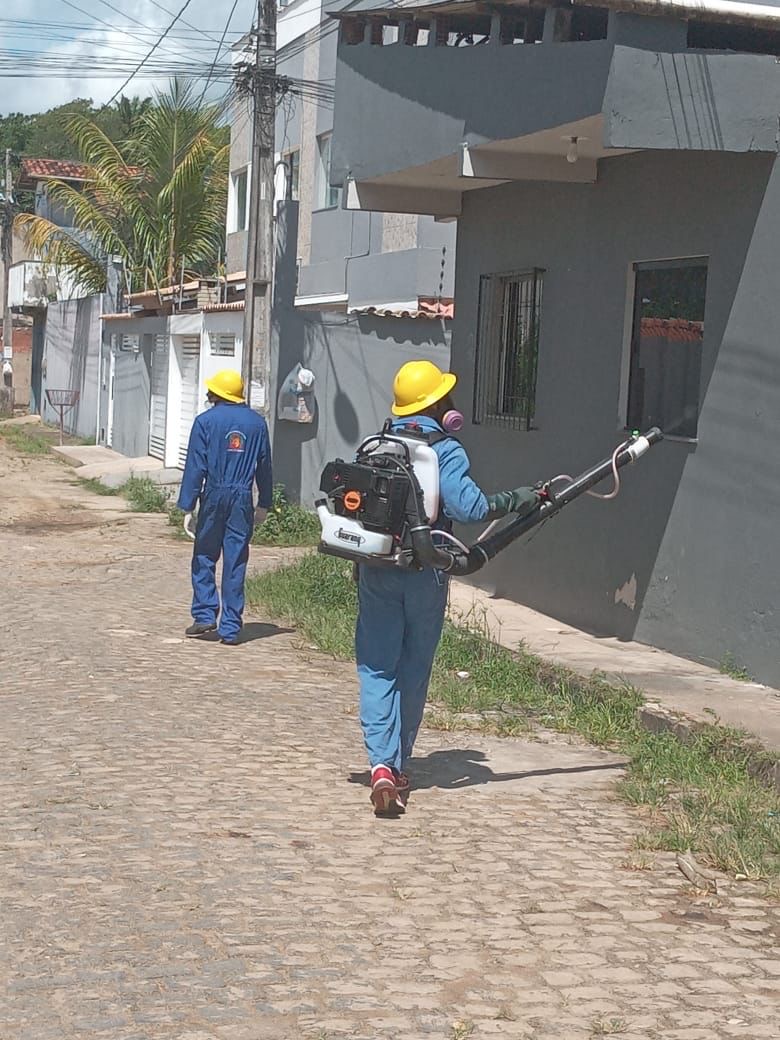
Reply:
x=418, y=385
x=228, y=385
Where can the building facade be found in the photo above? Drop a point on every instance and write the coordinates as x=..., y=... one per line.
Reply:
x=356, y=294
x=615, y=179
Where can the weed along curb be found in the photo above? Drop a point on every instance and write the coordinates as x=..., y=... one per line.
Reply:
x=761, y=765
x=702, y=786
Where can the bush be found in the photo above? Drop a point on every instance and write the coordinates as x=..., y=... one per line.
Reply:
x=287, y=524
x=145, y=496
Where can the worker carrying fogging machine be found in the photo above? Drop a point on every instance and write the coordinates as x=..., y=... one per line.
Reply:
x=391, y=511
x=379, y=509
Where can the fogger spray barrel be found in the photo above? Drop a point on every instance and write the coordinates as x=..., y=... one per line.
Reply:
x=484, y=551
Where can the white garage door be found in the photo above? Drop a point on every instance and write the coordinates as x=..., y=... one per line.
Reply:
x=190, y=363
x=158, y=411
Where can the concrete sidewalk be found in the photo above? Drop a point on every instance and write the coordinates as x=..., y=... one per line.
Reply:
x=673, y=682
x=95, y=462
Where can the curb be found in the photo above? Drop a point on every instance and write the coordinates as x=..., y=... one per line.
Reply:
x=762, y=766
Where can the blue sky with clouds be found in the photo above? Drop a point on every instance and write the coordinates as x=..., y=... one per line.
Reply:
x=102, y=32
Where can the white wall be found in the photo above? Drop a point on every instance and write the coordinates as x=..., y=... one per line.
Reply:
x=227, y=323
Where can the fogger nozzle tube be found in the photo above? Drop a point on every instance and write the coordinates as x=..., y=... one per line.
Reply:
x=484, y=551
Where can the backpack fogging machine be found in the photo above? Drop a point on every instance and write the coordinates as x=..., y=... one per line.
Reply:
x=377, y=508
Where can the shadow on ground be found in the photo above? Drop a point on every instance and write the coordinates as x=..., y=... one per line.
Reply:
x=251, y=631
x=456, y=768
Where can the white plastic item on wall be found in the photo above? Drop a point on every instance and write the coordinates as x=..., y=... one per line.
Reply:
x=296, y=401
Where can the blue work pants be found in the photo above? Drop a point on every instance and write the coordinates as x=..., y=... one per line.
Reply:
x=400, y=619
x=225, y=526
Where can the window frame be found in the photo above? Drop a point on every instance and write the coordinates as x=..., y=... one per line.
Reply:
x=215, y=341
x=328, y=196
x=293, y=186
x=491, y=363
x=235, y=177
x=633, y=318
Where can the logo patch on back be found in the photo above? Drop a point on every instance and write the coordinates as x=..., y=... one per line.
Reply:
x=236, y=441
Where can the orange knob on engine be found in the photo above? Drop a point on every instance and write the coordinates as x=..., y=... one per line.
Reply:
x=353, y=501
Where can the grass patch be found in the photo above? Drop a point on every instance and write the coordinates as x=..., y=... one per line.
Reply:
x=731, y=667
x=287, y=523
x=144, y=495
x=701, y=794
x=318, y=594
x=37, y=438
x=28, y=440
x=97, y=487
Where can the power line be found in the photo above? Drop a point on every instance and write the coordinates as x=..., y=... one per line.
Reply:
x=188, y=24
x=219, y=51
x=148, y=56
x=113, y=28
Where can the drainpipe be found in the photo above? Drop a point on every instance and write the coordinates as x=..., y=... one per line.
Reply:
x=355, y=256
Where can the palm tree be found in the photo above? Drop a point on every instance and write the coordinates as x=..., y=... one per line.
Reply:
x=157, y=201
x=130, y=110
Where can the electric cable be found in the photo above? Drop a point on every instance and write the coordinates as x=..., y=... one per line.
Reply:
x=219, y=51
x=148, y=56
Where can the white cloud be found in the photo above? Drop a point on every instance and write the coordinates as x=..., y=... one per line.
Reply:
x=39, y=94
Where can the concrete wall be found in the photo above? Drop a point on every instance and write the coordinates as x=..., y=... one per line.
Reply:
x=400, y=107
x=354, y=361
x=340, y=251
x=71, y=359
x=684, y=558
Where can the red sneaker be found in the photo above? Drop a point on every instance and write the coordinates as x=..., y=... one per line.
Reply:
x=384, y=793
x=402, y=785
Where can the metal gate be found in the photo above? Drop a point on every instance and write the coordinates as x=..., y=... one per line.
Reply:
x=190, y=363
x=158, y=409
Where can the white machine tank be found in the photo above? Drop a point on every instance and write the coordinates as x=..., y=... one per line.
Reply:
x=425, y=463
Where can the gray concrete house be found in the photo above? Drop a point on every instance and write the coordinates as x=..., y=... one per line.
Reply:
x=614, y=173
x=356, y=294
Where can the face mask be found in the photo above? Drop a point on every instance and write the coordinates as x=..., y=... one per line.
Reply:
x=452, y=421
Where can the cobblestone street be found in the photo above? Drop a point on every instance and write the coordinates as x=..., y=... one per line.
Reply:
x=184, y=857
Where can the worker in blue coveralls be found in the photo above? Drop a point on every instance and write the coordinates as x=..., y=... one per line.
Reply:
x=401, y=612
x=229, y=452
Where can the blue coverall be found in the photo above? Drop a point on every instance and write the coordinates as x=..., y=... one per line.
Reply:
x=229, y=450
x=400, y=619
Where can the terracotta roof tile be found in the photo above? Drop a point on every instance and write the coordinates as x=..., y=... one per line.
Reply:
x=43, y=169
x=60, y=169
x=427, y=307
x=677, y=329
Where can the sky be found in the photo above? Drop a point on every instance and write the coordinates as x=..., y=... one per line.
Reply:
x=108, y=33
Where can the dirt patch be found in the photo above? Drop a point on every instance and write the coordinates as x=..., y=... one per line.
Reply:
x=64, y=523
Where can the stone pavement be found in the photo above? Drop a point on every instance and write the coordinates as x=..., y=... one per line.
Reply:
x=183, y=857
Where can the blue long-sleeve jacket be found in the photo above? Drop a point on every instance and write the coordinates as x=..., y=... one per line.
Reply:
x=229, y=449
x=462, y=499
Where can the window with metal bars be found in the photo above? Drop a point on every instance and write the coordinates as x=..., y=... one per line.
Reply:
x=508, y=349
x=223, y=344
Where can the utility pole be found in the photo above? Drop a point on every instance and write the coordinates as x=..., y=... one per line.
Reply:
x=260, y=250
x=8, y=238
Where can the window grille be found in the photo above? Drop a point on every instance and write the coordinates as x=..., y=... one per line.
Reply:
x=508, y=349
x=223, y=344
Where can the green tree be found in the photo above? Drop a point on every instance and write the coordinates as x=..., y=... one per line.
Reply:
x=157, y=200
x=130, y=111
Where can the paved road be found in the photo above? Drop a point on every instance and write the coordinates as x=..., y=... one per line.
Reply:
x=184, y=857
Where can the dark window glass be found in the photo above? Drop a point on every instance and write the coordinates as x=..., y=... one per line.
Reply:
x=666, y=346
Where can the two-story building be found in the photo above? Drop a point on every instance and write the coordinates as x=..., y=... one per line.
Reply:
x=614, y=173
x=356, y=293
